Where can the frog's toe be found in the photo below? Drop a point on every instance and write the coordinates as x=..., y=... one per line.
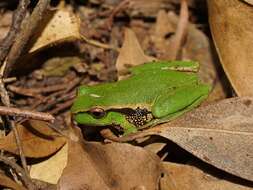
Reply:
x=129, y=131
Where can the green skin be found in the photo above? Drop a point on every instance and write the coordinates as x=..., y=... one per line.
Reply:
x=165, y=89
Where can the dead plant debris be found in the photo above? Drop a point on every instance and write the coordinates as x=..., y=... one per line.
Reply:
x=50, y=48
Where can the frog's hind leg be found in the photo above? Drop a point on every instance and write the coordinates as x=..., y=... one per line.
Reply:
x=169, y=106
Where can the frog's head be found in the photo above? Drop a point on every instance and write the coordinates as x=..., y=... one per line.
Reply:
x=99, y=117
x=90, y=110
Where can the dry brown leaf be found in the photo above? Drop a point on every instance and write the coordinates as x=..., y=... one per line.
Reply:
x=186, y=177
x=59, y=26
x=230, y=23
x=51, y=169
x=5, y=22
x=131, y=53
x=220, y=134
x=110, y=166
x=162, y=28
x=38, y=140
x=249, y=1
x=8, y=182
x=155, y=146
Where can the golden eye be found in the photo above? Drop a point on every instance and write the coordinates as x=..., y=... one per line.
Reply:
x=97, y=112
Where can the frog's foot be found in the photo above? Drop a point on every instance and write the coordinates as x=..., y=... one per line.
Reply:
x=109, y=136
x=128, y=131
x=127, y=127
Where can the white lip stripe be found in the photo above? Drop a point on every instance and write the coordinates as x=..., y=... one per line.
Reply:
x=95, y=96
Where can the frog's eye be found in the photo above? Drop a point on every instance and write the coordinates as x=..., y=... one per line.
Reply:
x=97, y=112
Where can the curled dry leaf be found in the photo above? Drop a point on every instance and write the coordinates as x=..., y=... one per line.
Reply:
x=189, y=177
x=230, y=23
x=109, y=166
x=131, y=53
x=249, y=1
x=51, y=169
x=220, y=134
x=38, y=140
x=9, y=183
x=58, y=26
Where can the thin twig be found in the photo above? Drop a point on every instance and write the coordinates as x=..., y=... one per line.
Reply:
x=17, y=18
x=26, y=113
x=24, y=91
x=36, y=92
x=25, y=178
x=62, y=106
x=3, y=92
x=9, y=80
x=27, y=29
x=57, y=97
x=99, y=44
x=6, y=101
x=115, y=11
x=19, y=145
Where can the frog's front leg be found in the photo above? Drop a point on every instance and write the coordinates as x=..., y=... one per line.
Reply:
x=120, y=119
x=174, y=103
x=128, y=128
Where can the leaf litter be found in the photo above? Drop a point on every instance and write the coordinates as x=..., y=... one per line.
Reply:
x=229, y=37
x=216, y=133
x=107, y=166
x=219, y=133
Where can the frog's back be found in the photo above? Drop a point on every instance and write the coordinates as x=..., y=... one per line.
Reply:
x=143, y=88
x=135, y=91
